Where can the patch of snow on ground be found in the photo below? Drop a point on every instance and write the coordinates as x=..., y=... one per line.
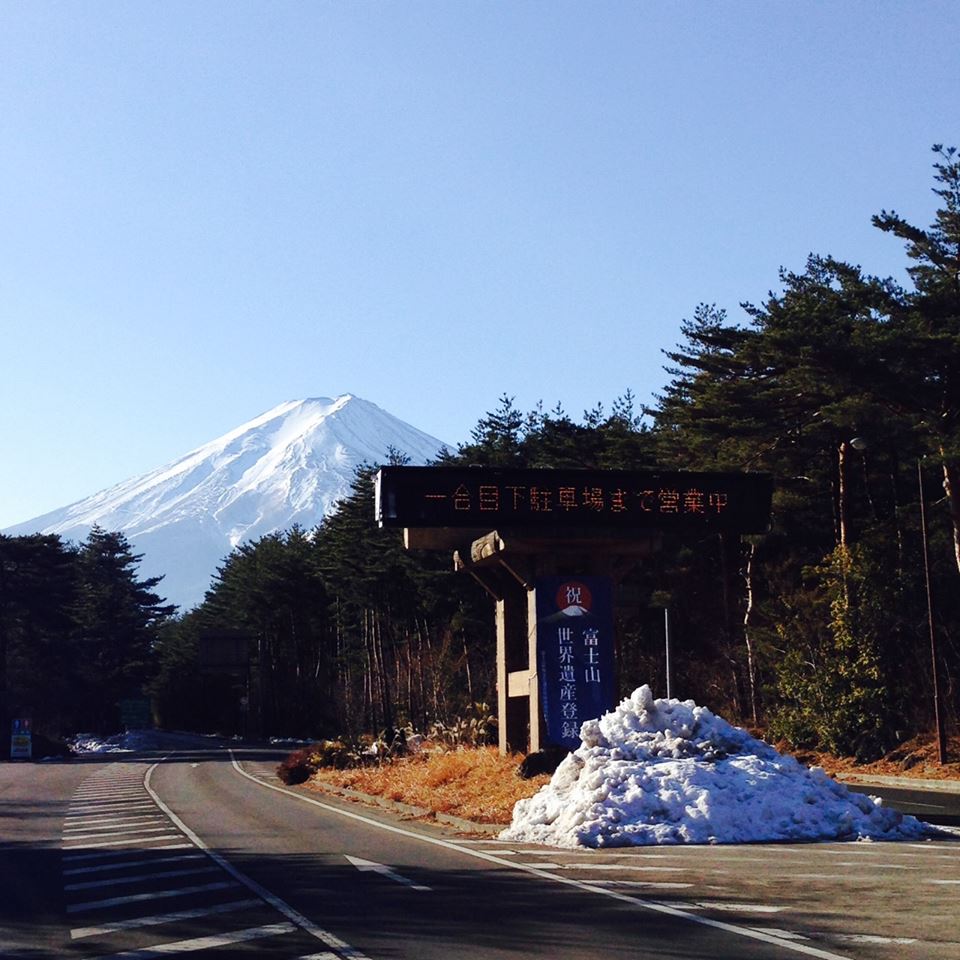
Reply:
x=118, y=743
x=667, y=771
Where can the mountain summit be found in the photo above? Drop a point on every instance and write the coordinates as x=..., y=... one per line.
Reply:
x=289, y=465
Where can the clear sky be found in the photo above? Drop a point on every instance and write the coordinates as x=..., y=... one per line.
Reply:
x=209, y=208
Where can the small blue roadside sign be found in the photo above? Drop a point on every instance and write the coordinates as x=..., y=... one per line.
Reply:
x=21, y=741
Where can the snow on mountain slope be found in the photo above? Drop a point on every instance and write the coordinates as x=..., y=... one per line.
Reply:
x=289, y=465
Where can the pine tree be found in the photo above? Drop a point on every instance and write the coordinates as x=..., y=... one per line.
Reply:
x=117, y=617
x=923, y=354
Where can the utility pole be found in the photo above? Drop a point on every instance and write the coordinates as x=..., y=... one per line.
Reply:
x=938, y=718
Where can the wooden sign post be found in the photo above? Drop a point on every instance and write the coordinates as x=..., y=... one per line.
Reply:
x=511, y=529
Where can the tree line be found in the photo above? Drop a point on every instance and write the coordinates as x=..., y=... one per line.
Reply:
x=844, y=386
x=77, y=630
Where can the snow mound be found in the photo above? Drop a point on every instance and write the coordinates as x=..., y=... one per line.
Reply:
x=118, y=743
x=667, y=771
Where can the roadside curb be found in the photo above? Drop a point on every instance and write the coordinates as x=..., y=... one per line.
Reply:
x=458, y=823
x=906, y=783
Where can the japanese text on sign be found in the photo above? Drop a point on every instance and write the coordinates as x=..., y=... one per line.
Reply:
x=437, y=496
x=575, y=653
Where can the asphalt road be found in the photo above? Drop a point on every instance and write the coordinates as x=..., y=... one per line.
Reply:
x=198, y=852
x=936, y=806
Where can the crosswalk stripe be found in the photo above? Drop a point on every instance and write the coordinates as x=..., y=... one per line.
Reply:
x=105, y=808
x=113, y=854
x=160, y=918
x=131, y=831
x=125, y=864
x=158, y=895
x=136, y=878
x=203, y=943
x=109, y=823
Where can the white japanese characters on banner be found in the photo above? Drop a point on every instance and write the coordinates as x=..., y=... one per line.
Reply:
x=574, y=653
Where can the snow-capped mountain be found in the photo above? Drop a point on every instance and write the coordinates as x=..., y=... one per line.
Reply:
x=289, y=465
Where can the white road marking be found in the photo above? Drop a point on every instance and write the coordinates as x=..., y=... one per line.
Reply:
x=122, y=841
x=136, y=878
x=203, y=943
x=368, y=866
x=160, y=918
x=636, y=867
x=734, y=907
x=105, y=816
x=132, y=832
x=110, y=807
x=786, y=934
x=123, y=865
x=156, y=895
x=113, y=796
x=870, y=938
x=942, y=881
x=316, y=931
x=646, y=884
x=651, y=905
x=111, y=854
x=111, y=823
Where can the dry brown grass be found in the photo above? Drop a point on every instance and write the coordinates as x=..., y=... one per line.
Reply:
x=917, y=758
x=477, y=784
x=482, y=786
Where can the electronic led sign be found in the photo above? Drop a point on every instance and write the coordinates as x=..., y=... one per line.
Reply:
x=487, y=498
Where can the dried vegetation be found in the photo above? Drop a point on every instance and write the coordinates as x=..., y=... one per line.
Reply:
x=476, y=784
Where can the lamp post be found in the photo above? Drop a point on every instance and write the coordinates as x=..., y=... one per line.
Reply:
x=859, y=444
x=938, y=718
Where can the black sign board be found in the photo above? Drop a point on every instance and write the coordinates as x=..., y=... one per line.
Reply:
x=488, y=498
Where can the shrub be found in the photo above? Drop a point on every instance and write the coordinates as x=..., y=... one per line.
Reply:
x=296, y=768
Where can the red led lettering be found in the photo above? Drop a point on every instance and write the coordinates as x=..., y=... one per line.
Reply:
x=541, y=500
x=593, y=498
x=669, y=501
x=489, y=498
x=718, y=502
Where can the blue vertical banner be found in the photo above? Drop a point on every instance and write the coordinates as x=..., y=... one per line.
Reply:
x=574, y=653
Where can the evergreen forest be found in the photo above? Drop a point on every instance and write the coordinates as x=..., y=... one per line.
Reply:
x=823, y=631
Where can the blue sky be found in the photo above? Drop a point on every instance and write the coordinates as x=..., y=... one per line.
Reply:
x=209, y=208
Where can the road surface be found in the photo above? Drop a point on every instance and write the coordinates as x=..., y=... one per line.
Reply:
x=201, y=851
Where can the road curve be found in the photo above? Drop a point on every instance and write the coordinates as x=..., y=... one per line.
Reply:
x=192, y=851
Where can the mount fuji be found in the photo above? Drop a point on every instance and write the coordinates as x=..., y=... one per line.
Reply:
x=291, y=465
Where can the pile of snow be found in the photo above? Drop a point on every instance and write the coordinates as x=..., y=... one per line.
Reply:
x=667, y=771
x=118, y=743
x=91, y=743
